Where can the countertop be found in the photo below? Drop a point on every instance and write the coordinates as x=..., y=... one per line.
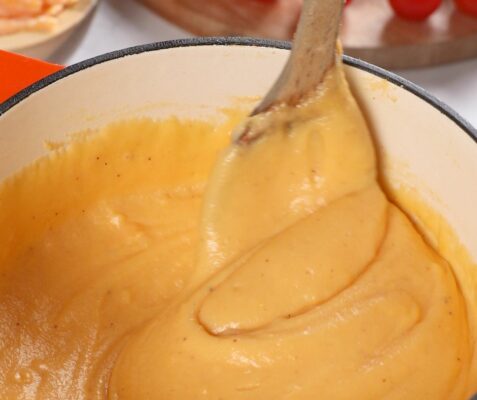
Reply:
x=118, y=24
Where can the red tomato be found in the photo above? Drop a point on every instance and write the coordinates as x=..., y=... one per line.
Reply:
x=415, y=9
x=347, y=2
x=467, y=6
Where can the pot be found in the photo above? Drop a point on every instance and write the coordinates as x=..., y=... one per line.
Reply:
x=422, y=143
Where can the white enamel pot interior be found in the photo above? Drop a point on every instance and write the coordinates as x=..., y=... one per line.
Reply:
x=422, y=143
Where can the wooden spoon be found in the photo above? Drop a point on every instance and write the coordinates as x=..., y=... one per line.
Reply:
x=313, y=54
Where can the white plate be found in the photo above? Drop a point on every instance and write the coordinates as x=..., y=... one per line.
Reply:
x=43, y=44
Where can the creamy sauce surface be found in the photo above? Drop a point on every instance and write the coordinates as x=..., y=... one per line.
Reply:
x=154, y=260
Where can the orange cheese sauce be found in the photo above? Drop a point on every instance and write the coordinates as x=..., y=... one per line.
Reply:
x=154, y=260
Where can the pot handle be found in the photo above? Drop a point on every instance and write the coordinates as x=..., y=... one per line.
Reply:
x=17, y=72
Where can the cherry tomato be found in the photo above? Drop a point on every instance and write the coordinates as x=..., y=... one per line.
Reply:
x=347, y=2
x=416, y=10
x=467, y=6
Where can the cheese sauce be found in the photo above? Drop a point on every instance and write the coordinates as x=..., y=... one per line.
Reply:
x=153, y=260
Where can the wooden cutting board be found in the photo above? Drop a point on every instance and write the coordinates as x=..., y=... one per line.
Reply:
x=373, y=33
x=371, y=30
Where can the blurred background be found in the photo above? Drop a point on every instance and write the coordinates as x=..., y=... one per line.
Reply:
x=433, y=43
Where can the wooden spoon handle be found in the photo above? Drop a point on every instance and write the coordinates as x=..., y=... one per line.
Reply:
x=313, y=54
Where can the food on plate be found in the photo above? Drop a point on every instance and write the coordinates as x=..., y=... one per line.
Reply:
x=467, y=6
x=36, y=15
x=415, y=10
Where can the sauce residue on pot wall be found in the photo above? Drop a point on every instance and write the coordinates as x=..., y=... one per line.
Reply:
x=132, y=268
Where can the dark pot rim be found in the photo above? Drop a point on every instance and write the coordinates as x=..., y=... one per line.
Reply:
x=236, y=41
